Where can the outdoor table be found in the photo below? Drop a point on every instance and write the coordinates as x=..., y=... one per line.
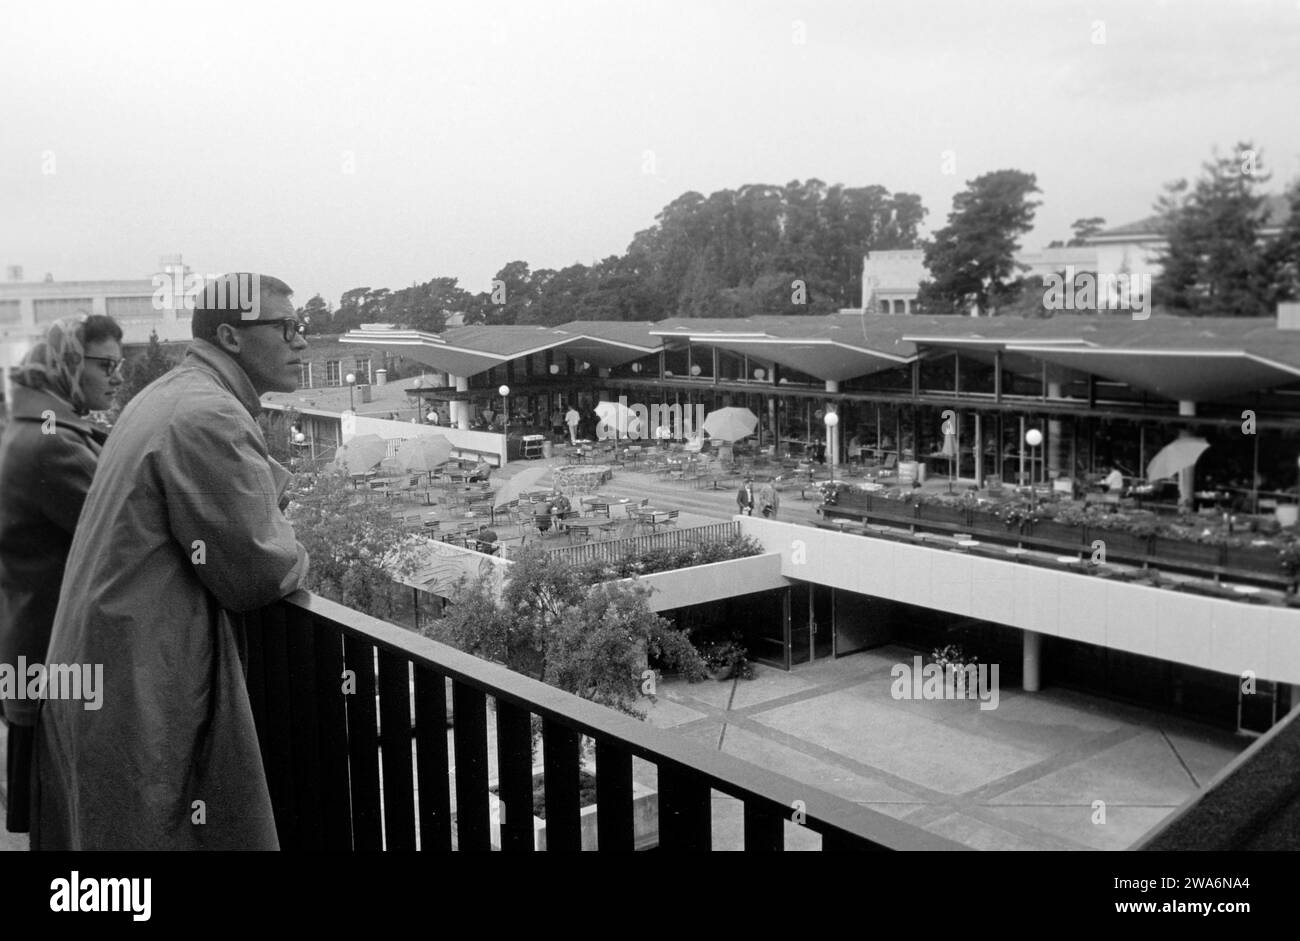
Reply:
x=652, y=515
x=587, y=524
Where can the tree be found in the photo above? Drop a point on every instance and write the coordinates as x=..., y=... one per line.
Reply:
x=1213, y=265
x=591, y=640
x=972, y=259
x=354, y=546
x=1283, y=261
x=316, y=313
x=139, y=371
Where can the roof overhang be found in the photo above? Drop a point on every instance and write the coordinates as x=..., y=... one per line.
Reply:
x=828, y=360
x=467, y=360
x=1195, y=375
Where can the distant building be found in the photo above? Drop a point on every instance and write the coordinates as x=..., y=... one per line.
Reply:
x=892, y=279
x=1135, y=248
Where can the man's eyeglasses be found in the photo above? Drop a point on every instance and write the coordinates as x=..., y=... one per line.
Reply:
x=110, y=366
x=289, y=327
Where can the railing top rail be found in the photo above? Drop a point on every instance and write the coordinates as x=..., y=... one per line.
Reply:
x=1246, y=805
x=824, y=811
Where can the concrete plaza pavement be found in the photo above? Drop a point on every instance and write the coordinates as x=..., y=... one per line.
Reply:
x=1024, y=776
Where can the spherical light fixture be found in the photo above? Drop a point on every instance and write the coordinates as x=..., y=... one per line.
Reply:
x=299, y=437
x=636, y=367
x=695, y=370
x=760, y=373
x=831, y=419
x=503, y=391
x=555, y=369
x=1033, y=437
x=350, y=378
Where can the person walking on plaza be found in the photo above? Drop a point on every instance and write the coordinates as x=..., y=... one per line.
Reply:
x=769, y=501
x=48, y=454
x=571, y=418
x=181, y=532
x=745, y=497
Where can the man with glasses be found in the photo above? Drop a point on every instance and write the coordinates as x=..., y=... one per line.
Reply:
x=182, y=530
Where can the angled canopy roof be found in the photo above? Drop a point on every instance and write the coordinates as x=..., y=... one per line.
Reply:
x=1182, y=358
x=466, y=351
x=833, y=348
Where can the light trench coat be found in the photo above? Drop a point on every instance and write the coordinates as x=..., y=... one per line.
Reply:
x=182, y=530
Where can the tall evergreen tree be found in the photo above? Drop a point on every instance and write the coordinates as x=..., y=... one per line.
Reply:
x=1214, y=264
x=972, y=259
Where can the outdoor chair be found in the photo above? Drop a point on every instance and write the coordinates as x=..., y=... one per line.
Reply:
x=888, y=469
x=599, y=509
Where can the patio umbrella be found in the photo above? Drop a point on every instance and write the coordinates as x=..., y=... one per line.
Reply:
x=512, y=487
x=361, y=453
x=424, y=453
x=730, y=424
x=1176, y=456
x=616, y=416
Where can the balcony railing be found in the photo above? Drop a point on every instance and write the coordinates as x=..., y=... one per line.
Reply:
x=1252, y=804
x=365, y=767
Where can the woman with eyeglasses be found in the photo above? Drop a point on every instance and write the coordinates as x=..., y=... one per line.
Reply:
x=48, y=453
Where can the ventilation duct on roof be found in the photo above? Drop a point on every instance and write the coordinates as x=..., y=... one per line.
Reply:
x=1288, y=316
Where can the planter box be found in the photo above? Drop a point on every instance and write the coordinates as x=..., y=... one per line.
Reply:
x=895, y=515
x=1058, y=532
x=951, y=515
x=1180, y=552
x=1261, y=559
x=645, y=819
x=1121, y=544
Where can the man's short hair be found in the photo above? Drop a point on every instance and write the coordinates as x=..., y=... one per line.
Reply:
x=99, y=327
x=233, y=298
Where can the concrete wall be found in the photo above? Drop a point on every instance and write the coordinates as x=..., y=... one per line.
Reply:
x=703, y=583
x=1210, y=633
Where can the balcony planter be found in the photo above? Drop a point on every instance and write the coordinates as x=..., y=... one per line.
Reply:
x=896, y=515
x=1262, y=559
x=1179, y=551
x=938, y=513
x=1120, y=544
x=1057, y=532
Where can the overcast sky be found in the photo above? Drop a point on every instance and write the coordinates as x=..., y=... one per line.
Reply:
x=480, y=132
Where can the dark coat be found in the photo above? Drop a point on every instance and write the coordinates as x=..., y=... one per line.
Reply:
x=745, y=498
x=182, y=529
x=43, y=483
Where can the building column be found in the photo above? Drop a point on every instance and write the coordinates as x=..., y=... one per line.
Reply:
x=1186, y=476
x=833, y=434
x=1032, y=650
x=459, y=411
x=1053, y=435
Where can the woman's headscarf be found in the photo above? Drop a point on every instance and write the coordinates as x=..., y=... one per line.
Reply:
x=55, y=363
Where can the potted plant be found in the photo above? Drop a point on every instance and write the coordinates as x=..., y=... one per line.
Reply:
x=726, y=660
x=952, y=655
